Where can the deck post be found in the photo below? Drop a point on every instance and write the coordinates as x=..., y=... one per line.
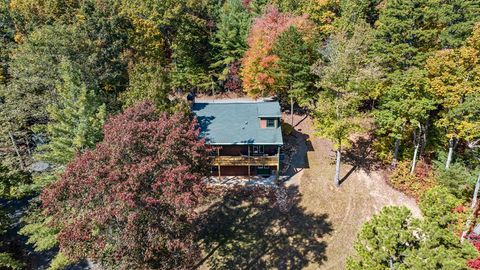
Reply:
x=248, y=147
x=218, y=154
x=278, y=163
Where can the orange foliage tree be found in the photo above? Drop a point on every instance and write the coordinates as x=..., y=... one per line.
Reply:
x=260, y=65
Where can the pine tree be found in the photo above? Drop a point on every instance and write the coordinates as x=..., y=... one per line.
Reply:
x=296, y=54
x=384, y=240
x=456, y=20
x=406, y=33
x=230, y=39
x=76, y=119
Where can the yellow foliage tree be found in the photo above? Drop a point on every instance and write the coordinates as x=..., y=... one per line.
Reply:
x=454, y=80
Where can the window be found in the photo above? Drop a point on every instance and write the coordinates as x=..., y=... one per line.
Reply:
x=270, y=122
x=258, y=149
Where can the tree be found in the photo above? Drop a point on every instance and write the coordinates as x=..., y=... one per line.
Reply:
x=322, y=13
x=7, y=33
x=394, y=239
x=383, y=242
x=130, y=202
x=75, y=125
x=10, y=183
x=296, y=55
x=148, y=81
x=344, y=73
x=457, y=19
x=439, y=247
x=406, y=33
x=75, y=119
x=230, y=39
x=454, y=77
x=259, y=64
x=357, y=11
x=404, y=109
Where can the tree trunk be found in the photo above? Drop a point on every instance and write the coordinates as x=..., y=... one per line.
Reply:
x=337, y=167
x=474, y=207
x=415, y=152
x=22, y=166
x=395, y=153
x=451, y=143
x=291, y=110
x=475, y=193
x=425, y=135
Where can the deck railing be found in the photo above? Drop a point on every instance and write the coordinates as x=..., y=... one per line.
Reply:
x=245, y=160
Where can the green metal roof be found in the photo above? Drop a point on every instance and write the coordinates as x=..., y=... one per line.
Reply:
x=225, y=123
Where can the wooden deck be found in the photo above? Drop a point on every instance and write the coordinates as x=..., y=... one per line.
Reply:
x=245, y=161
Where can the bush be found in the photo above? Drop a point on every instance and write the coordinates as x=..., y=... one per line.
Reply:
x=415, y=184
x=459, y=179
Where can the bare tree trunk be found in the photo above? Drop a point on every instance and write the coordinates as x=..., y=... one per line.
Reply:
x=473, y=206
x=291, y=110
x=395, y=153
x=417, y=147
x=22, y=165
x=337, y=167
x=451, y=143
x=425, y=135
x=475, y=193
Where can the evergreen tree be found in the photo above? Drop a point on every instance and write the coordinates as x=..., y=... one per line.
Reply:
x=406, y=33
x=76, y=122
x=296, y=55
x=456, y=20
x=383, y=242
x=75, y=119
x=230, y=39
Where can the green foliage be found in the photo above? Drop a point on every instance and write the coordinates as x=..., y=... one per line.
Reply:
x=76, y=119
x=406, y=32
x=59, y=262
x=459, y=179
x=40, y=234
x=296, y=54
x=395, y=239
x=344, y=73
x=148, y=81
x=230, y=39
x=457, y=18
x=357, y=11
x=386, y=238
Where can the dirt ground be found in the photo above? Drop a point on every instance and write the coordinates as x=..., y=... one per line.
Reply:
x=320, y=227
x=363, y=192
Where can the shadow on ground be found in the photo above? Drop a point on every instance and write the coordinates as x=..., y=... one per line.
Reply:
x=361, y=157
x=246, y=230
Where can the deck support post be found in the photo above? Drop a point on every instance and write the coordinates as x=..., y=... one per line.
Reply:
x=218, y=154
x=248, y=147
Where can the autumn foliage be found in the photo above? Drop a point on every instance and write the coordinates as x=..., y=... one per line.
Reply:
x=259, y=63
x=130, y=202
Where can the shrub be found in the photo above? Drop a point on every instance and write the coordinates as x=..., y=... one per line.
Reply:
x=415, y=184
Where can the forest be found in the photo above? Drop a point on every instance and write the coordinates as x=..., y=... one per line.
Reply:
x=96, y=135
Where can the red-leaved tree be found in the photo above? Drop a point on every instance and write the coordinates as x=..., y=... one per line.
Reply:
x=129, y=203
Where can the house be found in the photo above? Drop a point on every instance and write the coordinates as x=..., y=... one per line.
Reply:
x=248, y=135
